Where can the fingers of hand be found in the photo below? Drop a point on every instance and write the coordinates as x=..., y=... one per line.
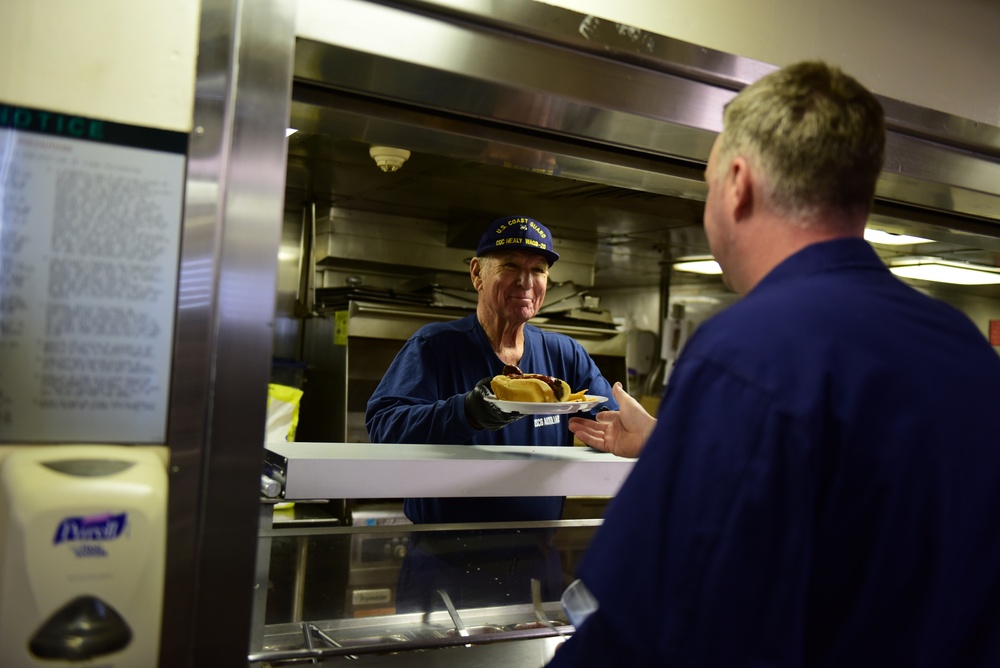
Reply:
x=605, y=417
x=592, y=435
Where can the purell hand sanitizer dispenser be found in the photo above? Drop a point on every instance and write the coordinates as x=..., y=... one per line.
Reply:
x=82, y=552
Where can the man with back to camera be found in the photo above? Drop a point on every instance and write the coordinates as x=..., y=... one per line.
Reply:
x=822, y=484
x=435, y=389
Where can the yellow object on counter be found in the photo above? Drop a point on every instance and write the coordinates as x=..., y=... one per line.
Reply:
x=282, y=412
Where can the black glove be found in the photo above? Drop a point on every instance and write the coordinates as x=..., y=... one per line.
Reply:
x=481, y=413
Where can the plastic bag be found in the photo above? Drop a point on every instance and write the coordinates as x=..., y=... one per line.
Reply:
x=282, y=412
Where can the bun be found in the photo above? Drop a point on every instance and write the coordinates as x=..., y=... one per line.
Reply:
x=530, y=388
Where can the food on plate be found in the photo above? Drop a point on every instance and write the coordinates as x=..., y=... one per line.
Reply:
x=514, y=385
x=519, y=388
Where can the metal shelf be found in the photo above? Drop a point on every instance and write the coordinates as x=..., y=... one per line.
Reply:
x=359, y=470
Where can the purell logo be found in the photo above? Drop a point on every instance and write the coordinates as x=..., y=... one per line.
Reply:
x=94, y=528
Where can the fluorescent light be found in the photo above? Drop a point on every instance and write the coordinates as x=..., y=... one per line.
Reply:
x=892, y=239
x=290, y=131
x=698, y=265
x=941, y=271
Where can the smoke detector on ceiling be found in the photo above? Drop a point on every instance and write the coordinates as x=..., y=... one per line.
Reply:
x=387, y=158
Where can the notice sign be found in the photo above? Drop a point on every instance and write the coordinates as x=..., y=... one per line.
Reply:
x=90, y=225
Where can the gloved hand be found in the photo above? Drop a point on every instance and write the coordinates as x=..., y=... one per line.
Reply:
x=481, y=413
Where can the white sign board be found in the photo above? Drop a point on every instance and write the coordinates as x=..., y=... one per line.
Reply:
x=90, y=225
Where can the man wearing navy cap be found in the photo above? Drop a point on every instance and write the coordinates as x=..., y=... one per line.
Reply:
x=518, y=232
x=435, y=389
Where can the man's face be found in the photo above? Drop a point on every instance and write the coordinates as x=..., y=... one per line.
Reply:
x=511, y=284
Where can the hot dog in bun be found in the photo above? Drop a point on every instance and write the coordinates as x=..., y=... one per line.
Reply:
x=513, y=385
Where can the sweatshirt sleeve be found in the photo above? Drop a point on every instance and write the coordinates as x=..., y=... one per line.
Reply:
x=419, y=401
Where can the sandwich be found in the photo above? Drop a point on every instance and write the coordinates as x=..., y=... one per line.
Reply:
x=514, y=385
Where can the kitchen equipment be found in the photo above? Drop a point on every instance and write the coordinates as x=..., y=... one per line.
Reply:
x=459, y=624
x=538, y=605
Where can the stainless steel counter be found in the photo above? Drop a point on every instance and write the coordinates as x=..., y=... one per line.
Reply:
x=500, y=636
x=339, y=585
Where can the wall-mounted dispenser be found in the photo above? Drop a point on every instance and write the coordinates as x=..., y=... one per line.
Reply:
x=82, y=553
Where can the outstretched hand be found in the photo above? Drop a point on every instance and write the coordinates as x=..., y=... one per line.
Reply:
x=622, y=432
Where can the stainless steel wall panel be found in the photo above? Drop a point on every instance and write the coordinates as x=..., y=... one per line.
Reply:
x=921, y=172
x=559, y=72
x=479, y=140
x=345, y=237
x=473, y=70
x=232, y=221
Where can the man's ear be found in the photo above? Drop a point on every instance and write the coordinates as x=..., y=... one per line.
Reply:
x=740, y=182
x=475, y=273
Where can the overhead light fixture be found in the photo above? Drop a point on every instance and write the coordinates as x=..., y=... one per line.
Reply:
x=290, y=131
x=892, y=239
x=944, y=271
x=698, y=265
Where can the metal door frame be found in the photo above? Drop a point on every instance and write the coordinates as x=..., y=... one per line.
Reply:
x=222, y=351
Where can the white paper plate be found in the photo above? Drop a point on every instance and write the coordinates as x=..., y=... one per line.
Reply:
x=540, y=408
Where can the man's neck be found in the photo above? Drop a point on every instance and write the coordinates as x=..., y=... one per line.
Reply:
x=778, y=239
x=506, y=338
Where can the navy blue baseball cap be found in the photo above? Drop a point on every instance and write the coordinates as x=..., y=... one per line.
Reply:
x=518, y=233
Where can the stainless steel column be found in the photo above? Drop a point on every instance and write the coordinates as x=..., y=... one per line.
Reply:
x=232, y=223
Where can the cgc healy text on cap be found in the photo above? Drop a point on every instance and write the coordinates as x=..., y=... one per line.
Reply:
x=518, y=233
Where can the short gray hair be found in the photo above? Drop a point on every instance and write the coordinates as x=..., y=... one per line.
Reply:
x=816, y=135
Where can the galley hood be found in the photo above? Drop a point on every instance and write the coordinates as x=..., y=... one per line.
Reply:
x=601, y=133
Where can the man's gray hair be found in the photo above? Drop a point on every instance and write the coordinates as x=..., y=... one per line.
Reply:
x=815, y=134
